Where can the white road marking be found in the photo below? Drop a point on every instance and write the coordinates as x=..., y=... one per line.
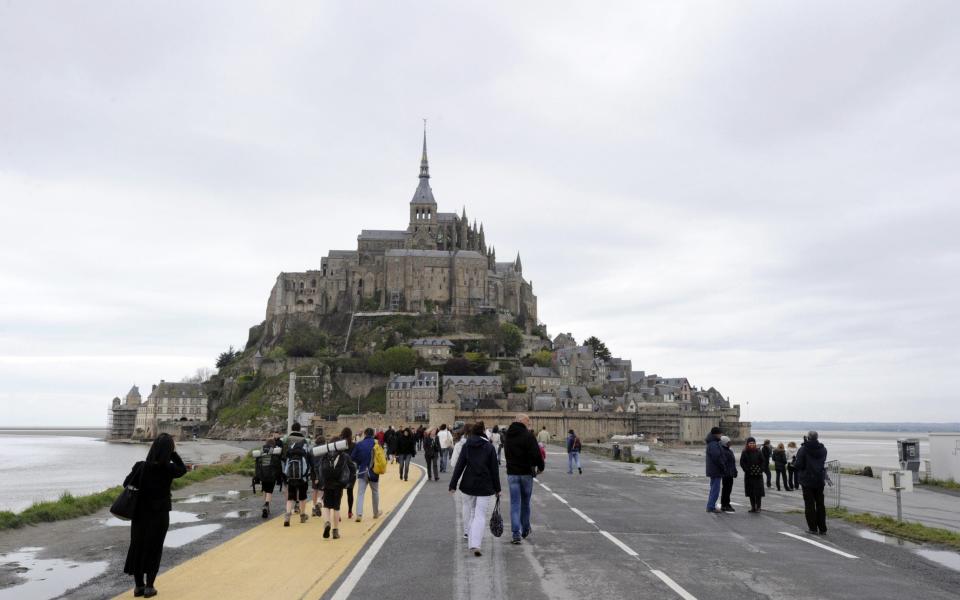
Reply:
x=622, y=546
x=351, y=581
x=555, y=495
x=582, y=515
x=673, y=585
x=545, y=487
x=817, y=544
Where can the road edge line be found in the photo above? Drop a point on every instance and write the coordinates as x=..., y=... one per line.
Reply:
x=818, y=544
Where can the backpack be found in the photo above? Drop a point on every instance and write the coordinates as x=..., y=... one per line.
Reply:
x=379, y=465
x=295, y=468
x=266, y=465
x=576, y=444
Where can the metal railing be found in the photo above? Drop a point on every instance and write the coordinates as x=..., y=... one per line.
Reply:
x=834, y=474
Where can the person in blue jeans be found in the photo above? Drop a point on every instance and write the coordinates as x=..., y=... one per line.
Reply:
x=573, y=452
x=524, y=462
x=715, y=468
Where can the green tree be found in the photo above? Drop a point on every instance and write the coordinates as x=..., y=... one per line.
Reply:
x=399, y=359
x=510, y=338
x=599, y=348
x=227, y=357
x=543, y=358
x=302, y=339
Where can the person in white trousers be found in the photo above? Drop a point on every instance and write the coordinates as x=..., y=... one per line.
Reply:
x=479, y=481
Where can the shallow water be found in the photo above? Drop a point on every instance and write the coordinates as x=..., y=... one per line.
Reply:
x=237, y=514
x=884, y=539
x=176, y=517
x=183, y=536
x=941, y=557
x=45, y=578
x=869, y=448
x=220, y=496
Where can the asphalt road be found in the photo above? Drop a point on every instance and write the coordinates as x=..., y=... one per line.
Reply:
x=612, y=532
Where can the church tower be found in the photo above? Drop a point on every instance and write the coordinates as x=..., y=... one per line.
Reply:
x=423, y=208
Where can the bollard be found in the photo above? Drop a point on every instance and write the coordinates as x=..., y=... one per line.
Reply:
x=627, y=453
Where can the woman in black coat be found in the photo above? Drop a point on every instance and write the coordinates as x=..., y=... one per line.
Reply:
x=478, y=476
x=752, y=464
x=151, y=519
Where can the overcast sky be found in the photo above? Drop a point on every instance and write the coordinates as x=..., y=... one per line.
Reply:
x=762, y=197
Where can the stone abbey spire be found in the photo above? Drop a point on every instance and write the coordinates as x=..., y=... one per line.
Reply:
x=424, y=164
x=424, y=195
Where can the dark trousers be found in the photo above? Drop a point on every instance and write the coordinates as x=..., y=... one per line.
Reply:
x=766, y=473
x=147, y=532
x=433, y=471
x=726, y=487
x=814, y=509
x=350, y=498
x=792, y=477
x=782, y=473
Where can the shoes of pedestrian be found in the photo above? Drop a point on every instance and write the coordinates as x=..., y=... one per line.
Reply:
x=477, y=552
x=316, y=510
x=138, y=591
x=728, y=509
x=303, y=517
x=286, y=520
x=296, y=507
x=515, y=541
x=465, y=536
x=715, y=511
x=525, y=534
x=336, y=534
x=376, y=515
x=149, y=591
x=349, y=514
x=326, y=530
x=581, y=470
x=813, y=532
x=823, y=532
x=359, y=518
x=752, y=510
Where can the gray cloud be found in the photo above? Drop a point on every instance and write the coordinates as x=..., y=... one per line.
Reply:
x=760, y=199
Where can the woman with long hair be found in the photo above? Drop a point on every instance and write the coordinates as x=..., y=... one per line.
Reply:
x=347, y=434
x=151, y=519
x=478, y=476
x=406, y=450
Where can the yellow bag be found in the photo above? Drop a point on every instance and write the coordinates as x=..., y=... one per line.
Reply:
x=379, y=459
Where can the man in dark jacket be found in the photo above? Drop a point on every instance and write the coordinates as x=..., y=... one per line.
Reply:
x=523, y=462
x=362, y=455
x=729, y=473
x=811, y=470
x=714, y=468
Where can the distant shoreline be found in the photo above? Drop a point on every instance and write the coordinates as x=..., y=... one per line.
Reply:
x=839, y=426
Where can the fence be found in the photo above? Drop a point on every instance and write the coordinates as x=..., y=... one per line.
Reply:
x=833, y=472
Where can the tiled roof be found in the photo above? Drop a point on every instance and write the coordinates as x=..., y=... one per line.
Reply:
x=472, y=380
x=431, y=342
x=382, y=234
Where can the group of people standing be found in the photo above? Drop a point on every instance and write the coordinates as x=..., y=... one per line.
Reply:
x=803, y=467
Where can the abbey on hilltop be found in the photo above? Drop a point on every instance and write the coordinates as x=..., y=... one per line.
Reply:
x=439, y=263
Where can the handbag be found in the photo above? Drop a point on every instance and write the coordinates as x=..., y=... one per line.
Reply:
x=496, y=521
x=125, y=505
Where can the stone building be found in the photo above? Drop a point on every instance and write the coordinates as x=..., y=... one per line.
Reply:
x=409, y=396
x=123, y=414
x=540, y=380
x=457, y=388
x=440, y=262
x=578, y=365
x=432, y=348
x=171, y=402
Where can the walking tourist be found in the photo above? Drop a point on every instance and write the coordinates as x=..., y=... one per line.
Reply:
x=431, y=454
x=715, y=468
x=333, y=476
x=791, y=466
x=446, y=447
x=522, y=453
x=315, y=476
x=391, y=437
x=406, y=450
x=296, y=471
x=151, y=518
x=267, y=472
x=544, y=436
x=479, y=480
x=362, y=456
x=573, y=452
x=729, y=474
x=347, y=434
x=494, y=438
x=767, y=451
x=780, y=465
x=811, y=471
x=751, y=463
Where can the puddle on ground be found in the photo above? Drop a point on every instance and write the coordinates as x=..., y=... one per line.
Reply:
x=45, y=578
x=176, y=517
x=941, y=557
x=237, y=514
x=218, y=497
x=884, y=539
x=183, y=536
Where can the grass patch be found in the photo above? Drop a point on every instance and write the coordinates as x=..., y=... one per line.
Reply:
x=651, y=469
x=914, y=532
x=69, y=506
x=947, y=484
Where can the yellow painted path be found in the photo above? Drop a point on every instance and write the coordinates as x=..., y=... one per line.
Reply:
x=273, y=561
